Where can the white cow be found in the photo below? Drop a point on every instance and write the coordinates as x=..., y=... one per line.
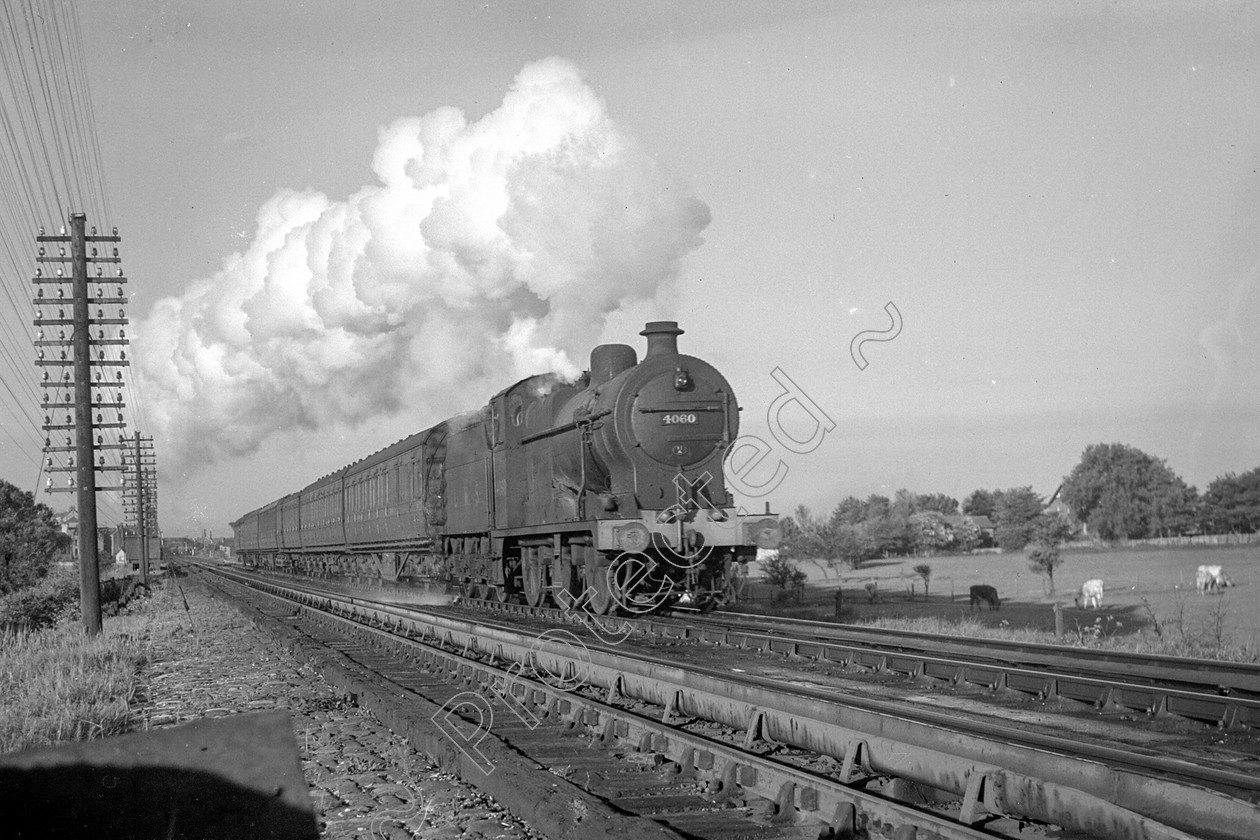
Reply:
x=1091, y=595
x=1211, y=579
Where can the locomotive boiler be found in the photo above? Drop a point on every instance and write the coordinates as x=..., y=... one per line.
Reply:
x=605, y=493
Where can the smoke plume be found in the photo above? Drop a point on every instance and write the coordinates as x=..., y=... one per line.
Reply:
x=488, y=251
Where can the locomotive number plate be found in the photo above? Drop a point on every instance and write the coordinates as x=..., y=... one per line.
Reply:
x=686, y=419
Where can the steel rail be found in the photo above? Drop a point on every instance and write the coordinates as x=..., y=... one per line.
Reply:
x=1017, y=773
x=1102, y=689
x=1215, y=693
x=1210, y=675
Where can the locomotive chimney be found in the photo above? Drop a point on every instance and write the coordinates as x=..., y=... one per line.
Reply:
x=662, y=338
x=608, y=360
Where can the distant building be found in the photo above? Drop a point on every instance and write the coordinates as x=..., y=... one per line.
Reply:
x=1057, y=506
x=69, y=524
x=981, y=523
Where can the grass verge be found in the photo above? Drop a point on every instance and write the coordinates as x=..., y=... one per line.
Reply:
x=58, y=685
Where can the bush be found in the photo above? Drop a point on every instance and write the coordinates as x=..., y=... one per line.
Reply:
x=55, y=597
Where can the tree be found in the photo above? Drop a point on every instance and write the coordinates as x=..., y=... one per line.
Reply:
x=1048, y=531
x=1232, y=502
x=904, y=504
x=888, y=536
x=875, y=507
x=1123, y=493
x=938, y=502
x=29, y=538
x=812, y=537
x=1016, y=509
x=782, y=572
x=930, y=533
x=924, y=571
x=851, y=511
x=980, y=503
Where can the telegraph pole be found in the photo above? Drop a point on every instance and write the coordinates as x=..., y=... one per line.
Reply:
x=85, y=427
x=140, y=500
x=85, y=451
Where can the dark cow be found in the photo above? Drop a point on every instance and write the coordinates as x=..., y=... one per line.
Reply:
x=982, y=593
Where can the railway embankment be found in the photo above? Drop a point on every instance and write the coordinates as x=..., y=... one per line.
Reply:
x=202, y=658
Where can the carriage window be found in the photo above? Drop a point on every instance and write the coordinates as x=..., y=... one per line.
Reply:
x=517, y=411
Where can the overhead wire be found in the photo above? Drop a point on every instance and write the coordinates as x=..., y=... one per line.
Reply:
x=50, y=166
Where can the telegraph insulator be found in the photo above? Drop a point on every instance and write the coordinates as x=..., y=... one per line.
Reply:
x=118, y=397
x=61, y=334
x=39, y=293
x=67, y=398
x=100, y=313
x=39, y=272
x=71, y=482
x=100, y=333
x=100, y=271
x=41, y=230
x=115, y=231
x=45, y=398
x=63, y=355
x=41, y=250
x=61, y=251
x=63, y=230
x=45, y=376
x=61, y=292
x=69, y=419
x=122, y=333
x=49, y=485
x=47, y=441
x=65, y=377
x=100, y=292
x=59, y=272
x=61, y=313
x=100, y=418
x=41, y=354
x=40, y=335
x=120, y=272
x=118, y=373
x=115, y=252
x=120, y=291
x=98, y=375
x=122, y=355
x=102, y=461
x=71, y=461
x=120, y=419
x=94, y=230
x=122, y=313
x=39, y=314
x=99, y=440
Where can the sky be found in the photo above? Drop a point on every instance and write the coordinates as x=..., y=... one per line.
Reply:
x=971, y=238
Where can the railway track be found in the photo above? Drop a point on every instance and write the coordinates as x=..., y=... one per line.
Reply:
x=793, y=757
x=1223, y=694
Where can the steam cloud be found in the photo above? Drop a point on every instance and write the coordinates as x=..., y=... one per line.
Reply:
x=489, y=251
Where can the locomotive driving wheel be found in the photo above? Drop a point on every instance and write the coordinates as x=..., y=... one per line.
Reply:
x=599, y=587
x=532, y=577
x=564, y=589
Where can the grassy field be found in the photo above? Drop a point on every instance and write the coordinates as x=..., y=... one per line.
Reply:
x=1150, y=593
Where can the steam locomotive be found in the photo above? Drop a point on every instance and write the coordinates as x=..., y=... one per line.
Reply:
x=603, y=494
